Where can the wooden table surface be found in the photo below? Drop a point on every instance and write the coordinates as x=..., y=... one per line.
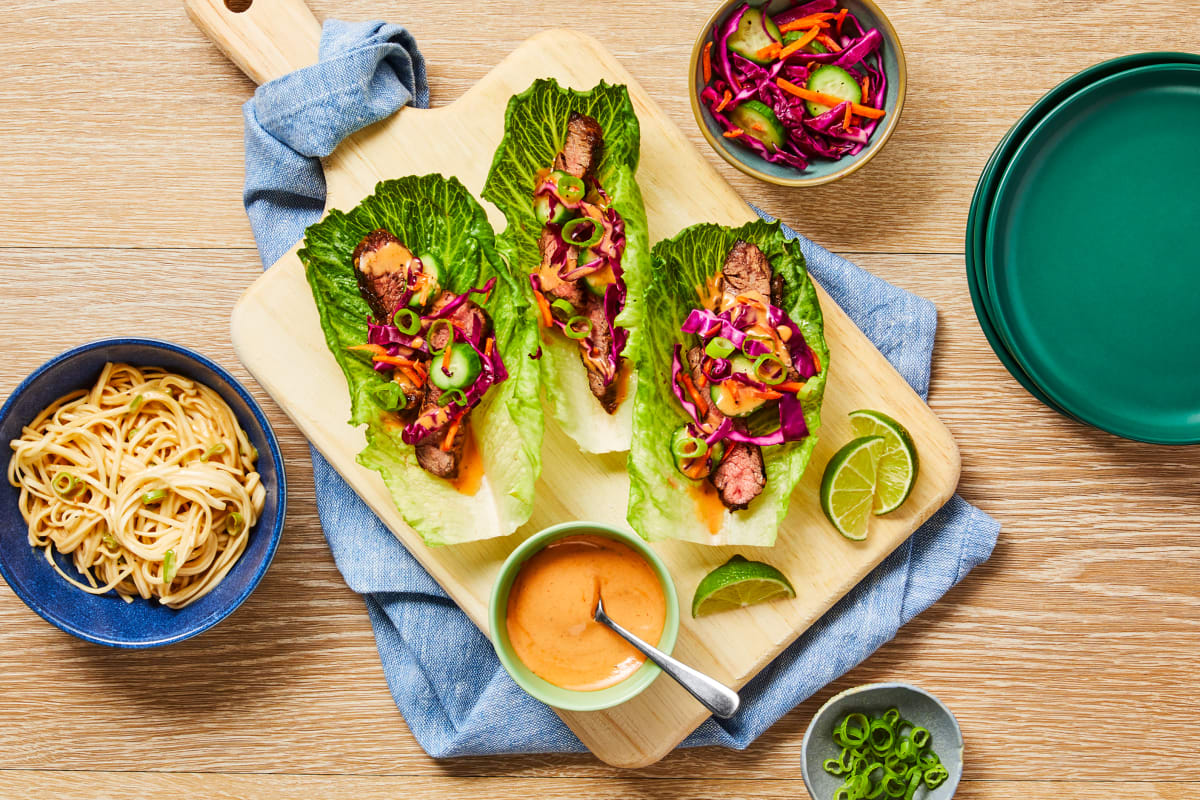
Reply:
x=1070, y=657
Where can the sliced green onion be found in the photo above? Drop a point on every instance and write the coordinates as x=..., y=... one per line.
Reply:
x=773, y=379
x=136, y=403
x=234, y=523
x=689, y=447
x=153, y=496
x=133, y=432
x=407, y=321
x=570, y=188
x=920, y=738
x=390, y=396
x=110, y=541
x=883, y=757
x=719, y=347
x=573, y=329
x=914, y=781
x=569, y=230
x=215, y=450
x=455, y=396
x=65, y=484
x=168, y=567
x=564, y=306
x=891, y=716
x=881, y=736
x=936, y=776
x=449, y=334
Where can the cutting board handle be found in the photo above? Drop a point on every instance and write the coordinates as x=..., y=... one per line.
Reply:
x=267, y=39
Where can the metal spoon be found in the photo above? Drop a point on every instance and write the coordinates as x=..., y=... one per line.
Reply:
x=716, y=697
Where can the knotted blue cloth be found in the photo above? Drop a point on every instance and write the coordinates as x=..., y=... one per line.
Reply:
x=440, y=668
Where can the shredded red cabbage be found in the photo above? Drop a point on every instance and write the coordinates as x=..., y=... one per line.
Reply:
x=737, y=79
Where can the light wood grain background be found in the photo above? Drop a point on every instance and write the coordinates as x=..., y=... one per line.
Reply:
x=1070, y=658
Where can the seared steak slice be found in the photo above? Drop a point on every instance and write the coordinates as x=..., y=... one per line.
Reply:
x=599, y=341
x=777, y=290
x=740, y=477
x=431, y=457
x=581, y=150
x=381, y=263
x=747, y=270
x=469, y=318
x=571, y=291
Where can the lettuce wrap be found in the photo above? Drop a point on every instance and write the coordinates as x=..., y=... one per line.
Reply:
x=534, y=134
x=663, y=503
x=435, y=215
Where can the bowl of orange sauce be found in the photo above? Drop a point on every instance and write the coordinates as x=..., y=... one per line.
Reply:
x=541, y=615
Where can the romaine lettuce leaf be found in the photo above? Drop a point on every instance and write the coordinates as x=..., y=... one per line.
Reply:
x=431, y=214
x=534, y=131
x=662, y=502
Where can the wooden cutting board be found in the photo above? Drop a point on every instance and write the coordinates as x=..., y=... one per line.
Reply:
x=277, y=336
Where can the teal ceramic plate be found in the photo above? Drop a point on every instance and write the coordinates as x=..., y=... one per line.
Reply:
x=981, y=202
x=1088, y=256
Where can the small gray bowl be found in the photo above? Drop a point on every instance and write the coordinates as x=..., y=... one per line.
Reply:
x=915, y=704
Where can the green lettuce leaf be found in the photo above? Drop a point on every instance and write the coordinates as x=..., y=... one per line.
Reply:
x=431, y=214
x=662, y=502
x=535, y=128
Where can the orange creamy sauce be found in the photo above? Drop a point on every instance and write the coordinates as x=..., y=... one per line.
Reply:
x=550, y=606
x=470, y=469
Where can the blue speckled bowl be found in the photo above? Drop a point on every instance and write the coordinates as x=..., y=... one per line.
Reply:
x=915, y=704
x=820, y=170
x=108, y=619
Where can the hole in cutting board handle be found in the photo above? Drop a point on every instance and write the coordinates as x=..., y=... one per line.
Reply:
x=238, y=6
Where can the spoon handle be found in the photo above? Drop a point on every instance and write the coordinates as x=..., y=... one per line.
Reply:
x=718, y=698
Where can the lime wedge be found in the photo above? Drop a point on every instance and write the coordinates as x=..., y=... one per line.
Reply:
x=898, y=463
x=739, y=583
x=848, y=487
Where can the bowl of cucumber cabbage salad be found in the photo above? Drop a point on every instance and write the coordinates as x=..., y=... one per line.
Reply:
x=798, y=94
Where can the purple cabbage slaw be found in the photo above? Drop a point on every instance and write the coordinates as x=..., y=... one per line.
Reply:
x=416, y=346
x=808, y=137
x=732, y=324
x=608, y=252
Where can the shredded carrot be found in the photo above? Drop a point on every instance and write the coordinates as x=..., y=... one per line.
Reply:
x=828, y=41
x=447, y=353
x=487, y=348
x=770, y=51
x=866, y=89
x=701, y=406
x=804, y=23
x=708, y=62
x=695, y=471
x=395, y=361
x=733, y=132
x=544, y=307
x=417, y=380
x=768, y=394
x=827, y=99
x=451, y=432
x=841, y=18
x=725, y=98
x=373, y=349
x=796, y=45
x=849, y=118
x=790, y=386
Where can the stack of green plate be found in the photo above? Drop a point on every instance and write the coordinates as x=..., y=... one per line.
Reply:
x=1083, y=248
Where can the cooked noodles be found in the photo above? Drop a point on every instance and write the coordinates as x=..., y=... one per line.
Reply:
x=146, y=480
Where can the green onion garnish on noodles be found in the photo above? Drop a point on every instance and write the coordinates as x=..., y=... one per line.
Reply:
x=407, y=320
x=153, y=496
x=883, y=757
x=234, y=523
x=136, y=403
x=65, y=484
x=168, y=566
x=110, y=541
x=719, y=347
x=215, y=450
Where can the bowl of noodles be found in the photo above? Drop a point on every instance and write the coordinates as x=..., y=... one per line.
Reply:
x=144, y=496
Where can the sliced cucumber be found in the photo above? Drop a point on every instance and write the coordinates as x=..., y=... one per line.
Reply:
x=597, y=282
x=754, y=32
x=678, y=437
x=463, y=368
x=834, y=81
x=743, y=404
x=758, y=120
x=431, y=267
x=541, y=210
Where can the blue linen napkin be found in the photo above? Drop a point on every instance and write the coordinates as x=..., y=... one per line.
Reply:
x=441, y=670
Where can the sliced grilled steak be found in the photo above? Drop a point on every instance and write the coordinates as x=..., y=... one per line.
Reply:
x=777, y=290
x=431, y=457
x=599, y=341
x=472, y=320
x=694, y=357
x=740, y=477
x=571, y=291
x=747, y=270
x=381, y=263
x=581, y=150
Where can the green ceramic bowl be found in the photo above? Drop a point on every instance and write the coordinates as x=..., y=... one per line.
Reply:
x=568, y=699
x=820, y=170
